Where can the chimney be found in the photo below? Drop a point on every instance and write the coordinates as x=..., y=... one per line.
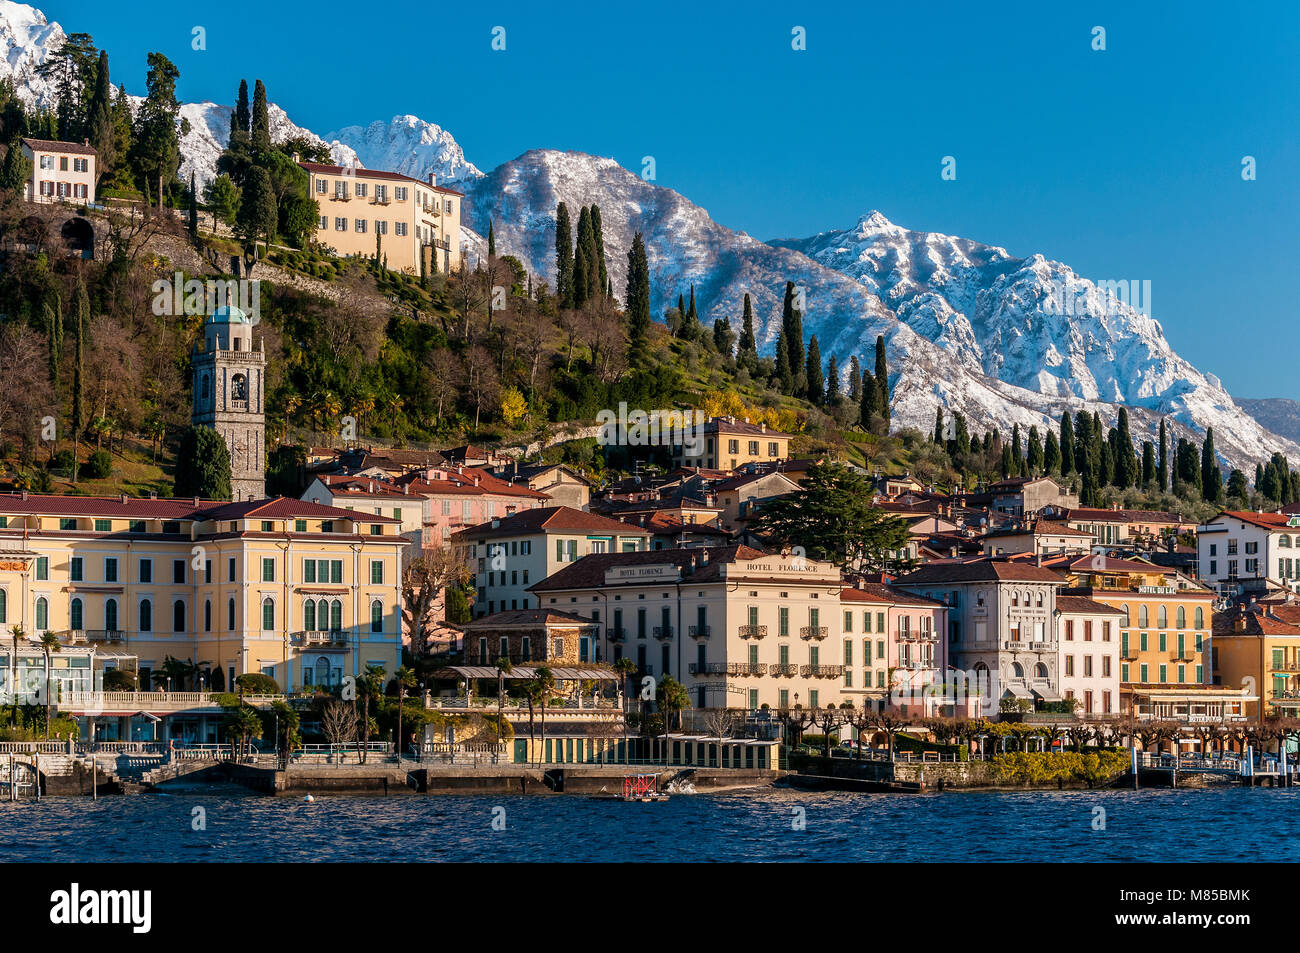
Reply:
x=433, y=180
x=762, y=427
x=25, y=495
x=196, y=500
x=296, y=158
x=124, y=499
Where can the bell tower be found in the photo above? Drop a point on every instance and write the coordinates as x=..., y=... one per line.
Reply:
x=229, y=390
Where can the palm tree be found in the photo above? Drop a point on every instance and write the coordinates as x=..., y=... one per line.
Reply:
x=405, y=680
x=545, y=686
x=626, y=668
x=672, y=699
x=243, y=725
x=504, y=668
x=369, y=685
x=49, y=642
x=16, y=632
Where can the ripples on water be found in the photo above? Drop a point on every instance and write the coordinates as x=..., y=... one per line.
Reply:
x=1184, y=825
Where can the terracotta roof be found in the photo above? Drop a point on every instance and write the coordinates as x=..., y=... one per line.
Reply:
x=1103, y=564
x=1102, y=515
x=525, y=617
x=51, y=145
x=287, y=508
x=880, y=593
x=367, y=487
x=471, y=481
x=589, y=572
x=740, y=427
x=1039, y=527
x=1266, y=520
x=133, y=508
x=666, y=523
x=361, y=173
x=977, y=570
x=1082, y=605
x=559, y=519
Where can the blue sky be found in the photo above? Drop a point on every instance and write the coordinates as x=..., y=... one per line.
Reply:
x=1124, y=163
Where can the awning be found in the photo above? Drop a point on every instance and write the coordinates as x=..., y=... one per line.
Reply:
x=1019, y=691
x=521, y=672
x=1047, y=695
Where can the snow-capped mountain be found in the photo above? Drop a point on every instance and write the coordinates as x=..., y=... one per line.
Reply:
x=409, y=145
x=967, y=325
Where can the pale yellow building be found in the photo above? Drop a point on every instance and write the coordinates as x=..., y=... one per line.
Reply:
x=407, y=220
x=61, y=171
x=302, y=592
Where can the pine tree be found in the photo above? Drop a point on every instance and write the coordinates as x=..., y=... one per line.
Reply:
x=156, y=149
x=564, y=259
x=882, y=380
x=1237, y=486
x=260, y=129
x=638, y=292
x=813, y=370
x=724, y=339
x=1067, y=444
x=203, y=465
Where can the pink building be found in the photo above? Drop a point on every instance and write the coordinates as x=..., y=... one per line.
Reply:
x=458, y=497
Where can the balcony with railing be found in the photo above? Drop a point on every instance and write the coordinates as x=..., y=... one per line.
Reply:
x=752, y=631
x=821, y=671
x=784, y=669
x=727, y=668
x=1020, y=646
x=699, y=631
x=817, y=632
x=103, y=635
x=617, y=635
x=663, y=632
x=329, y=637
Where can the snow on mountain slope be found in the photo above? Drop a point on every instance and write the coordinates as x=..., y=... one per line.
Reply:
x=966, y=324
x=26, y=41
x=408, y=145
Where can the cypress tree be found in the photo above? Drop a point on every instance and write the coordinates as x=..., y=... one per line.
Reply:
x=1067, y=444
x=1052, y=453
x=1126, y=462
x=261, y=127
x=638, y=291
x=813, y=370
x=783, y=372
x=598, y=233
x=78, y=382
x=855, y=380
x=1148, y=464
x=100, y=118
x=582, y=263
x=792, y=324
x=194, y=210
x=1034, y=452
x=938, y=425
x=564, y=259
x=1211, y=476
x=882, y=379
x=242, y=116
x=1162, y=466
x=492, y=241
x=870, y=399
x=1237, y=486
x=1015, y=445
x=832, y=382
x=748, y=348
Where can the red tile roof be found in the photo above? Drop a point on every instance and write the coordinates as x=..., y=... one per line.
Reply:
x=1082, y=605
x=361, y=173
x=512, y=617
x=1265, y=520
x=559, y=519
x=185, y=509
x=976, y=570
x=51, y=145
x=698, y=564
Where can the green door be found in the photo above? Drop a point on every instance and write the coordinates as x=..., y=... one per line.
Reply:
x=521, y=750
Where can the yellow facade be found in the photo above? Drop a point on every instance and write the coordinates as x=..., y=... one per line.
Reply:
x=226, y=585
x=1266, y=664
x=364, y=210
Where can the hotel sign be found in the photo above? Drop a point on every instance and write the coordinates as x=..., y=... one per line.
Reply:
x=664, y=572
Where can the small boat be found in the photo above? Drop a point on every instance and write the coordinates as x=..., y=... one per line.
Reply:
x=636, y=787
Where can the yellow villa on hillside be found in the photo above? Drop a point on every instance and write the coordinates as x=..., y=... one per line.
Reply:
x=304, y=593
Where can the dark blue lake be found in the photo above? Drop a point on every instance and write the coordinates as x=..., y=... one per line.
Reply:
x=1228, y=825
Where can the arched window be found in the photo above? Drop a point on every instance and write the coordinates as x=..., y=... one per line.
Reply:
x=239, y=387
x=110, y=615
x=268, y=615
x=207, y=615
x=4, y=607
x=1039, y=601
x=1040, y=670
x=1200, y=617
x=146, y=615
x=309, y=615
x=204, y=389
x=1015, y=598
x=323, y=671
x=1182, y=617
x=1143, y=617
x=42, y=614
x=1128, y=616
x=1162, y=618
x=75, y=615
x=376, y=616
x=178, y=616
x=1284, y=541
x=336, y=616
x=230, y=615
x=1017, y=670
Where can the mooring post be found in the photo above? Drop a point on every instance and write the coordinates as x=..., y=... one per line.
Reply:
x=13, y=788
x=1134, y=761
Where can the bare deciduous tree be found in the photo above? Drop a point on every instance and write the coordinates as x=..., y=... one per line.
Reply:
x=424, y=583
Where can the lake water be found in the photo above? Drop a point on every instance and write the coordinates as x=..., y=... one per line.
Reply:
x=759, y=825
